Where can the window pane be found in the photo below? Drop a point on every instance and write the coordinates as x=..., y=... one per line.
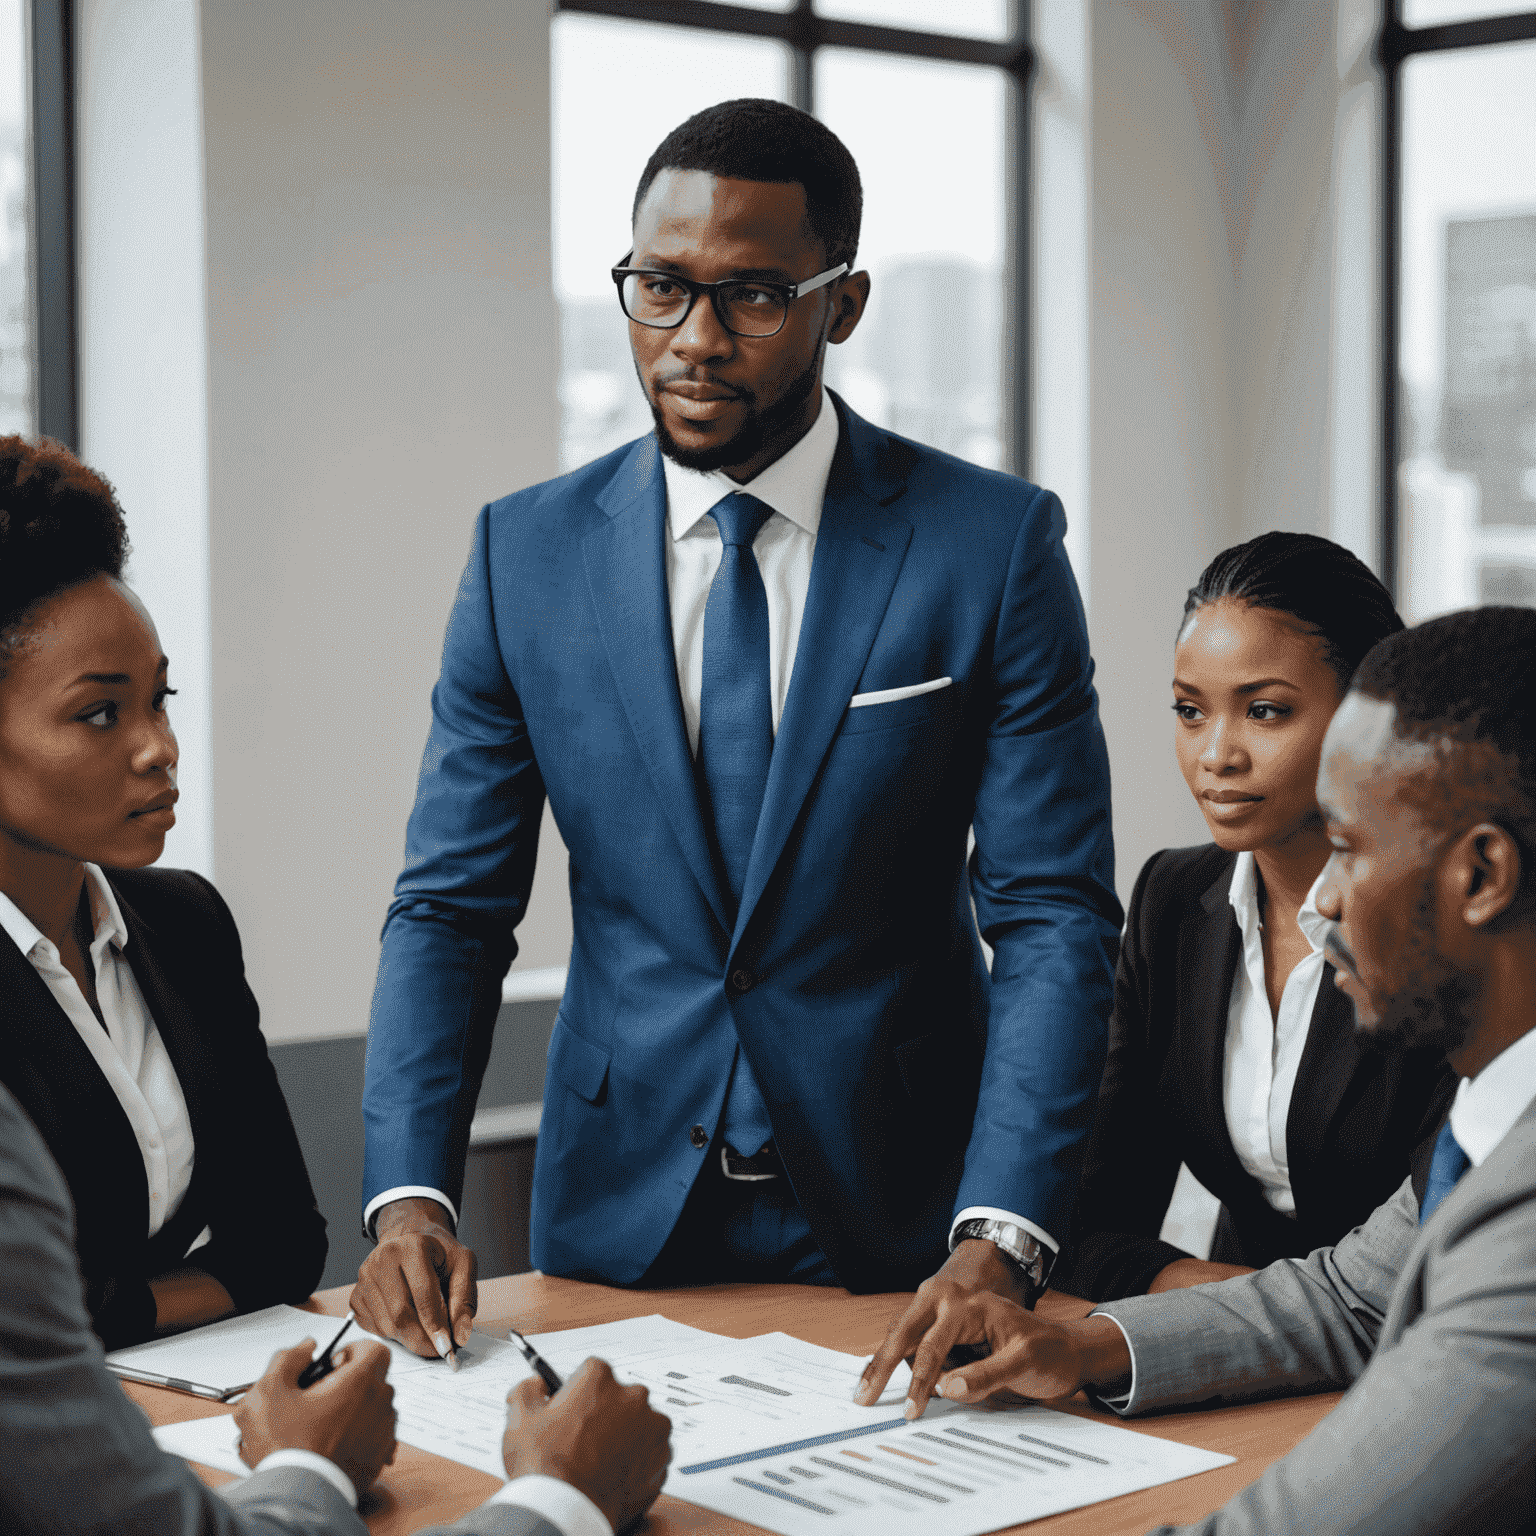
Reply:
x=1468, y=327
x=926, y=360
x=1432, y=13
x=963, y=18
x=17, y=344
x=608, y=117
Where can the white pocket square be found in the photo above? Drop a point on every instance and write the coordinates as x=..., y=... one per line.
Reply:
x=890, y=695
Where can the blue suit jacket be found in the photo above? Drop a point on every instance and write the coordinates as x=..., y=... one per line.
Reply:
x=901, y=1082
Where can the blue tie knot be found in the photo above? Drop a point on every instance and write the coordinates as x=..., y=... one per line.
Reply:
x=740, y=518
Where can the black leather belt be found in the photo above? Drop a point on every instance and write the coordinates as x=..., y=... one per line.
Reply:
x=764, y=1164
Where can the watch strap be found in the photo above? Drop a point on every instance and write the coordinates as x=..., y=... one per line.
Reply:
x=1024, y=1251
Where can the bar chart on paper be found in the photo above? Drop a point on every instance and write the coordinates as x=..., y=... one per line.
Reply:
x=955, y=1472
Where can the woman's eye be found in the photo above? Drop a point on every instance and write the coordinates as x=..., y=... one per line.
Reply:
x=162, y=696
x=1267, y=712
x=102, y=716
x=1186, y=712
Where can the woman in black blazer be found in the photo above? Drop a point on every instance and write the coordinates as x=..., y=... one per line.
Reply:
x=191, y=1196
x=1231, y=1049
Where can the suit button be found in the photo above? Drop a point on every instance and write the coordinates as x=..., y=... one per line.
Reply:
x=742, y=981
x=699, y=1137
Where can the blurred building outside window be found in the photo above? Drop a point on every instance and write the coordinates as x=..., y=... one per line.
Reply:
x=17, y=328
x=1466, y=481
x=928, y=359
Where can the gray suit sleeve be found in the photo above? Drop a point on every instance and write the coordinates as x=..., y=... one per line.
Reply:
x=76, y=1455
x=1438, y=1437
x=1301, y=1325
x=497, y=1520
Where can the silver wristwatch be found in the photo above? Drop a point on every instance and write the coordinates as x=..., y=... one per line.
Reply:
x=1028, y=1255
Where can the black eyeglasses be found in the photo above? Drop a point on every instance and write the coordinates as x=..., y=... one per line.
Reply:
x=745, y=306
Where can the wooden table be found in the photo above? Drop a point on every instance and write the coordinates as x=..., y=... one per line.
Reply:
x=421, y=1488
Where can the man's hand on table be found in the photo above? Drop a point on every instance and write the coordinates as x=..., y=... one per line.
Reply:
x=402, y=1285
x=602, y=1438
x=975, y=1299
x=348, y=1416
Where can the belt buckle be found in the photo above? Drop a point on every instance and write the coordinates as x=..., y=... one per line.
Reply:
x=764, y=1164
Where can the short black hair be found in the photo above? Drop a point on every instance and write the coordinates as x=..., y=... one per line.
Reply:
x=60, y=525
x=1463, y=682
x=1318, y=583
x=754, y=139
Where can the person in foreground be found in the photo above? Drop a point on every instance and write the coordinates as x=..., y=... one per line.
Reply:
x=130, y=1036
x=1230, y=1048
x=1427, y=1312
x=77, y=1456
x=770, y=665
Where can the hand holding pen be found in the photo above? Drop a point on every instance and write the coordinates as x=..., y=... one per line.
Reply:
x=537, y=1361
x=324, y=1363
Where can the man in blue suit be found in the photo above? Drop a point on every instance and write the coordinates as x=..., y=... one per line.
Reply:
x=771, y=666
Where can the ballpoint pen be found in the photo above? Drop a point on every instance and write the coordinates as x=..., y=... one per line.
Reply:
x=322, y=1364
x=536, y=1360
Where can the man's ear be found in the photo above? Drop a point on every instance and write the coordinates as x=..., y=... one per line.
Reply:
x=1481, y=874
x=850, y=295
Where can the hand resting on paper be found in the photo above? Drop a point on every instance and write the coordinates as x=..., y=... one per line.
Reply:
x=1027, y=1356
x=602, y=1438
x=418, y=1285
x=347, y=1416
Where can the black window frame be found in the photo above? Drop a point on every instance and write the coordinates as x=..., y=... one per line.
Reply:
x=55, y=309
x=1395, y=45
x=803, y=31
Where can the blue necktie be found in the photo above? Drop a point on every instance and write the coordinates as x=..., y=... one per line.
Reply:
x=736, y=743
x=1447, y=1165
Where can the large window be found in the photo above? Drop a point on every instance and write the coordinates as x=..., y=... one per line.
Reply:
x=1460, y=265
x=933, y=120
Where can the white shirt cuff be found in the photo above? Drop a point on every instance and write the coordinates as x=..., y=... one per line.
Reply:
x=313, y=1461
x=405, y=1192
x=566, y=1508
x=992, y=1213
x=1123, y=1401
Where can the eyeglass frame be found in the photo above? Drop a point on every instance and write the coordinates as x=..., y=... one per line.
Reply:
x=789, y=291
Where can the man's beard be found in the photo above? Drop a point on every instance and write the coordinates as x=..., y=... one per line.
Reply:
x=1429, y=1008
x=759, y=429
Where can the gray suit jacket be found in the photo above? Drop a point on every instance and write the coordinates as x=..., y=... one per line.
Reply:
x=1432, y=1329
x=75, y=1454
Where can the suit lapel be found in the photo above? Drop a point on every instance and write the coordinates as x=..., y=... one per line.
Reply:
x=626, y=572
x=1329, y=1061
x=61, y=1087
x=860, y=547
x=191, y=1053
x=1210, y=950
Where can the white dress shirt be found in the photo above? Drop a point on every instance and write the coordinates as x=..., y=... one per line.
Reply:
x=1263, y=1052
x=129, y=1051
x=795, y=486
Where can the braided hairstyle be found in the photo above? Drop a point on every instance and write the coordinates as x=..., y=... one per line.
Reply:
x=1318, y=583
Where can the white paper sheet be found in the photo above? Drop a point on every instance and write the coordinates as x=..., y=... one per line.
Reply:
x=208, y=1441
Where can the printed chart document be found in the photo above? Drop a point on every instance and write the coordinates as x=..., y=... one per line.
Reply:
x=765, y=1430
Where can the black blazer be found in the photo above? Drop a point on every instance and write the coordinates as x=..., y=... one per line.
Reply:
x=249, y=1183
x=1359, y=1119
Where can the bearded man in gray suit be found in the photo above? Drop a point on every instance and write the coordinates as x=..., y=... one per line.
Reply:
x=1427, y=1313
x=77, y=1456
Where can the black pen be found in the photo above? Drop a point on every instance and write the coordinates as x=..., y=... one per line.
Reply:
x=322, y=1365
x=537, y=1361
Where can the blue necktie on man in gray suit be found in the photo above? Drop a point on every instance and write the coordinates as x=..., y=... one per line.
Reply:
x=1445, y=1168
x=736, y=744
